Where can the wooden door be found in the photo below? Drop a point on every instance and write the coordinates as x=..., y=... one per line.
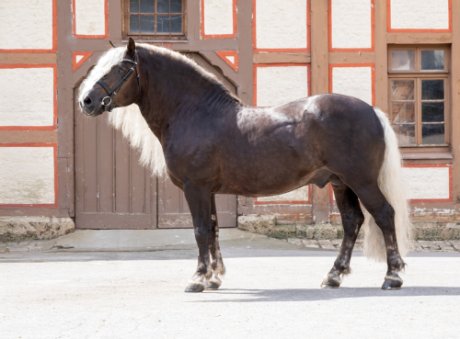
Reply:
x=112, y=189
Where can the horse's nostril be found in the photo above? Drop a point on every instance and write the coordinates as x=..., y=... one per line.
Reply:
x=87, y=101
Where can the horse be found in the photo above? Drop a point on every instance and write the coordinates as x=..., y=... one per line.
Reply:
x=186, y=123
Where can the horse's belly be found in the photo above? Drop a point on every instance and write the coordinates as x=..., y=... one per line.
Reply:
x=268, y=181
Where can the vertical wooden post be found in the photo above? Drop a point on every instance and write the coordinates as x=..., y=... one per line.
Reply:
x=245, y=49
x=381, y=55
x=319, y=84
x=455, y=100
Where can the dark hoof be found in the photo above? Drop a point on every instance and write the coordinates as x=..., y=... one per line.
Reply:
x=331, y=281
x=214, y=283
x=392, y=282
x=194, y=287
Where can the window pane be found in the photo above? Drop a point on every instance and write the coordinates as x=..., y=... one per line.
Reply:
x=147, y=6
x=147, y=23
x=406, y=134
x=134, y=24
x=402, y=60
x=402, y=89
x=433, y=112
x=433, y=134
x=433, y=59
x=403, y=112
x=432, y=89
x=176, y=6
x=163, y=6
x=176, y=23
x=169, y=6
x=134, y=6
x=163, y=24
x=169, y=24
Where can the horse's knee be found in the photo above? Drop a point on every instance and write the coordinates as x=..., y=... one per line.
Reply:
x=201, y=234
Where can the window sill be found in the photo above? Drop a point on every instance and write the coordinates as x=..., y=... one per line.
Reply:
x=413, y=155
x=157, y=39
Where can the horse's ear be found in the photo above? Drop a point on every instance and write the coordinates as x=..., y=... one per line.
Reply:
x=131, y=50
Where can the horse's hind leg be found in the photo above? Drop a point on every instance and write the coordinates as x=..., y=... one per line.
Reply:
x=352, y=219
x=383, y=213
x=217, y=264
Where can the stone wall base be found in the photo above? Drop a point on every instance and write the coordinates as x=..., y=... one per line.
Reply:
x=267, y=224
x=37, y=228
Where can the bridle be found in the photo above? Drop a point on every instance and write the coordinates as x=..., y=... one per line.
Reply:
x=111, y=92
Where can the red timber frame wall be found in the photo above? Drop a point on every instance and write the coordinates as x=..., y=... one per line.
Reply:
x=35, y=157
x=270, y=51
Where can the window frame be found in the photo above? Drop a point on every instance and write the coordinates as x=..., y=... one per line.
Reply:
x=152, y=36
x=418, y=75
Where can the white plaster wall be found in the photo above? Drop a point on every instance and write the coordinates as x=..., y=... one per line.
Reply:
x=300, y=194
x=281, y=24
x=27, y=96
x=26, y=24
x=230, y=58
x=89, y=17
x=351, y=24
x=354, y=81
x=280, y=84
x=427, y=182
x=78, y=57
x=218, y=17
x=27, y=175
x=420, y=14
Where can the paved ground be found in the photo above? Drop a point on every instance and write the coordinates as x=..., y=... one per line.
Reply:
x=419, y=246
x=87, y=287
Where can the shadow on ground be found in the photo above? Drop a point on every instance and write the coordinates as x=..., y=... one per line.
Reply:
x=274, y=295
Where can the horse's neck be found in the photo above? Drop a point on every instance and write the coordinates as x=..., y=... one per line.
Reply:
x=173, y=93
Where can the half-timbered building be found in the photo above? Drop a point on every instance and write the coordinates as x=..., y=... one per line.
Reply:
x=58, y=167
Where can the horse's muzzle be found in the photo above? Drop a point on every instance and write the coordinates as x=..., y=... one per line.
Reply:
x=90, y=107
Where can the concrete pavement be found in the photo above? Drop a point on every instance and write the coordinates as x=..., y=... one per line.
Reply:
x=271, y=290
x=165, y=239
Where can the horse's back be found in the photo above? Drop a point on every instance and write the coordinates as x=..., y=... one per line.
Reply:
x=330, y=108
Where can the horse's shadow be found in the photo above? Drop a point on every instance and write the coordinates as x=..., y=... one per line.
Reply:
x=311, y=294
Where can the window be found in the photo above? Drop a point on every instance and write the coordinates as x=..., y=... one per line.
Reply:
x=418, y=94
x=158, y=18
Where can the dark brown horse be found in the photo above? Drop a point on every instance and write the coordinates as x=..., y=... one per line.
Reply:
x=212, y=144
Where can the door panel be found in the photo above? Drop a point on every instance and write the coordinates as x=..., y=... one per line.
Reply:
x=112, y=189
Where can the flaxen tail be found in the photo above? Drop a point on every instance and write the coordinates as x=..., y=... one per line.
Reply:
x=391, y=184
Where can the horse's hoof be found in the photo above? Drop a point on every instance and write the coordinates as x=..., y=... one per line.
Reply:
x=195, y=287
x=331, y=281
x=392, y=282
x=214, y=283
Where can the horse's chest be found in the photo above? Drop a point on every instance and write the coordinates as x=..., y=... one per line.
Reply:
x=186, y=158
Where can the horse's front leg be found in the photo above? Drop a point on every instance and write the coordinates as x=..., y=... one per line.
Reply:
x=199, y=200
x=218, y=268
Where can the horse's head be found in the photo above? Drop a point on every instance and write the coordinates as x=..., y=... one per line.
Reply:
x=113, y=82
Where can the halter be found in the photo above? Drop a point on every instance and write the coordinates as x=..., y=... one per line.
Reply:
x=107, y=100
